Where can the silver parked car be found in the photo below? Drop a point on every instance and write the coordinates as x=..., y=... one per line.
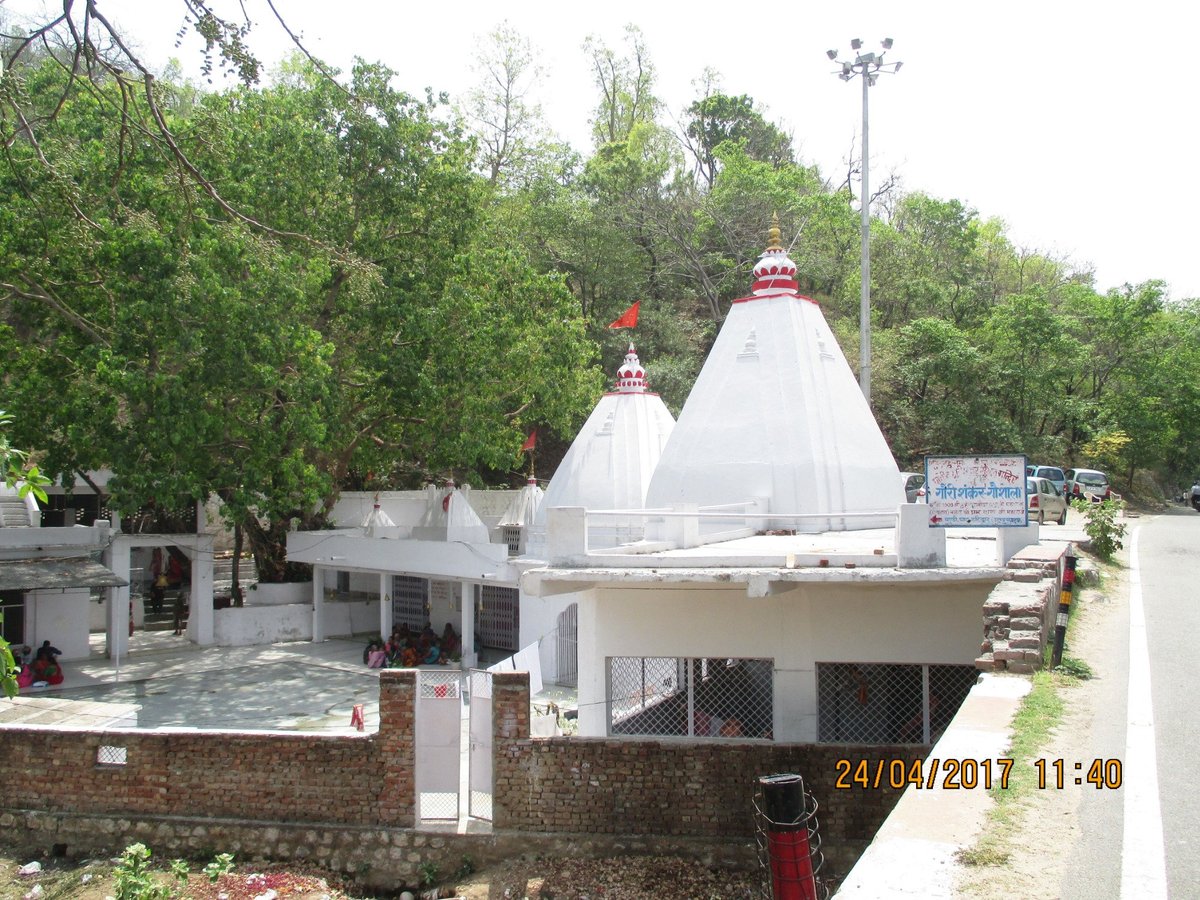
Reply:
x=1044, y=501
x=914, y=486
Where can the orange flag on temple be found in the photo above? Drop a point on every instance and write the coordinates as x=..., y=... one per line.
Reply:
x=530, y=442
x=627, y=319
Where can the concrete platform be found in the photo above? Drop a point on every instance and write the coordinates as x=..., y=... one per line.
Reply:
x=170, y=683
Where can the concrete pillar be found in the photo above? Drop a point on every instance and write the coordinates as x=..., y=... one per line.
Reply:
x=318, y=595
x=385, y=604
x=467, y=623
x=566, y=533
x=919, y=545
x=200, y=627
x=1010, y=540
x=116, y=625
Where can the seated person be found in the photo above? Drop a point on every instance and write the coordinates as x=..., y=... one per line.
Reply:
x=47, y=669
x=432, y=653
x=48, y=652
x=451, y=643
x=374, y=645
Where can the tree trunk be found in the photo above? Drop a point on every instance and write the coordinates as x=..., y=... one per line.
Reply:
x=239, y=598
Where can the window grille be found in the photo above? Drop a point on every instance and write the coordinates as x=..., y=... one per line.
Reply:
x=884, y=703
x=111, y=756
x=512, y=537
x=410, y=601
x=343, y=582
x=691, y=697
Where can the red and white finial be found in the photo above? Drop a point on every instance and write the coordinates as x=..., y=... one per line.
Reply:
x=631, y=377
x=774, y=273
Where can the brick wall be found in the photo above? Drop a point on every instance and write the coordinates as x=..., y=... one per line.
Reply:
x=273, y=777
x=1020, y=612
x=671, y=787
x=348, y=803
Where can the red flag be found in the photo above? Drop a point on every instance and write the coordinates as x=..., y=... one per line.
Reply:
x=530, y=442
x=627, y=319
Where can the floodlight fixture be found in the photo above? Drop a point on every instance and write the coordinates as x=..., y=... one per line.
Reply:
x=868, y=66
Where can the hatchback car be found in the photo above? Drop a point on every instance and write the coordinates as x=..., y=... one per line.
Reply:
x=1052, y=473
x=1044, y=501
x=1087, y=484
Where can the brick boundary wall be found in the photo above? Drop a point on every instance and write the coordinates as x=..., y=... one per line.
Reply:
x=674, y=787
x=273, y=777
x=1020, y=612
x=347, y=803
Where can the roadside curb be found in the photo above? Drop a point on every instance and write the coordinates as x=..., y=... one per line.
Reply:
x=914, y=852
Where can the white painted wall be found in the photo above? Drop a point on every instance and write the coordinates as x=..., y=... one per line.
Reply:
x=60, y=616
x=270, y=624
x=925, y=623
x=539, y=623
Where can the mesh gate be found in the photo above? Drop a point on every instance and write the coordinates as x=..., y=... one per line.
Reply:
x=439, y=741
x=691, y=697
x=479, y=777
x=885, y=703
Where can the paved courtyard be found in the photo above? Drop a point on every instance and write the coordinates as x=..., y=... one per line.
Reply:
x=170, y=683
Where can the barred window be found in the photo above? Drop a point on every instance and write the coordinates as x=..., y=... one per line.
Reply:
x=882, y=703
x=691, y=697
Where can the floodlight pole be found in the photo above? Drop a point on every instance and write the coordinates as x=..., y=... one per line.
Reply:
x=865, y=66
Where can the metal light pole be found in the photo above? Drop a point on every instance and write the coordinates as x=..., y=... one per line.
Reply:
x=867, y=66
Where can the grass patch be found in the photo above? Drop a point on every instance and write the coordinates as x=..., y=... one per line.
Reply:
x=1041, y=712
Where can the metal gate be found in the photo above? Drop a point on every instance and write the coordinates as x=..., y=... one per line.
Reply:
x=567, y=645
x=499, y=617
x=439, y=744
x=479, y=776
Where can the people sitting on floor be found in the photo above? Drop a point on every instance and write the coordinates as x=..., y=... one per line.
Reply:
x=45, y=665
x=405, y=649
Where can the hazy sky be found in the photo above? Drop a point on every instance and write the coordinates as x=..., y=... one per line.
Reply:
x=1074, y=122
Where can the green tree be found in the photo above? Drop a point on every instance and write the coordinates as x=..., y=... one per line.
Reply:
x=716, y=118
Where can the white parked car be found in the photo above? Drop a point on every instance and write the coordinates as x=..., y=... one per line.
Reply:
x=1044, y=501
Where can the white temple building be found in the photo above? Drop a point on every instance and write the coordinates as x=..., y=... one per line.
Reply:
x=777, y=415
x=751, y=572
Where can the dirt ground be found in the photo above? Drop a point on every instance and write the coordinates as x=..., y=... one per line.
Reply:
x=664, y=878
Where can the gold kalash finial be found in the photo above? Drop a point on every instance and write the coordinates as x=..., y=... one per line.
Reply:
x=773, y=233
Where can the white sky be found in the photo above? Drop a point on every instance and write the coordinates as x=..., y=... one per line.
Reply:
x=1072, y=121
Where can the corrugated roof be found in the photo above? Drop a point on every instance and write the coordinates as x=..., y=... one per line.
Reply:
x=40, y=574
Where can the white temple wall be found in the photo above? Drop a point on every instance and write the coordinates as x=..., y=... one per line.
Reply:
x=60, y=616
x=799, y=628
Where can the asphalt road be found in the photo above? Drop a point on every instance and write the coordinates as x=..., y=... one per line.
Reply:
x=1143, y=840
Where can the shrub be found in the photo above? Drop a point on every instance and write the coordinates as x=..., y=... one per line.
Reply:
x=1107, y=535
x=134, y=878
